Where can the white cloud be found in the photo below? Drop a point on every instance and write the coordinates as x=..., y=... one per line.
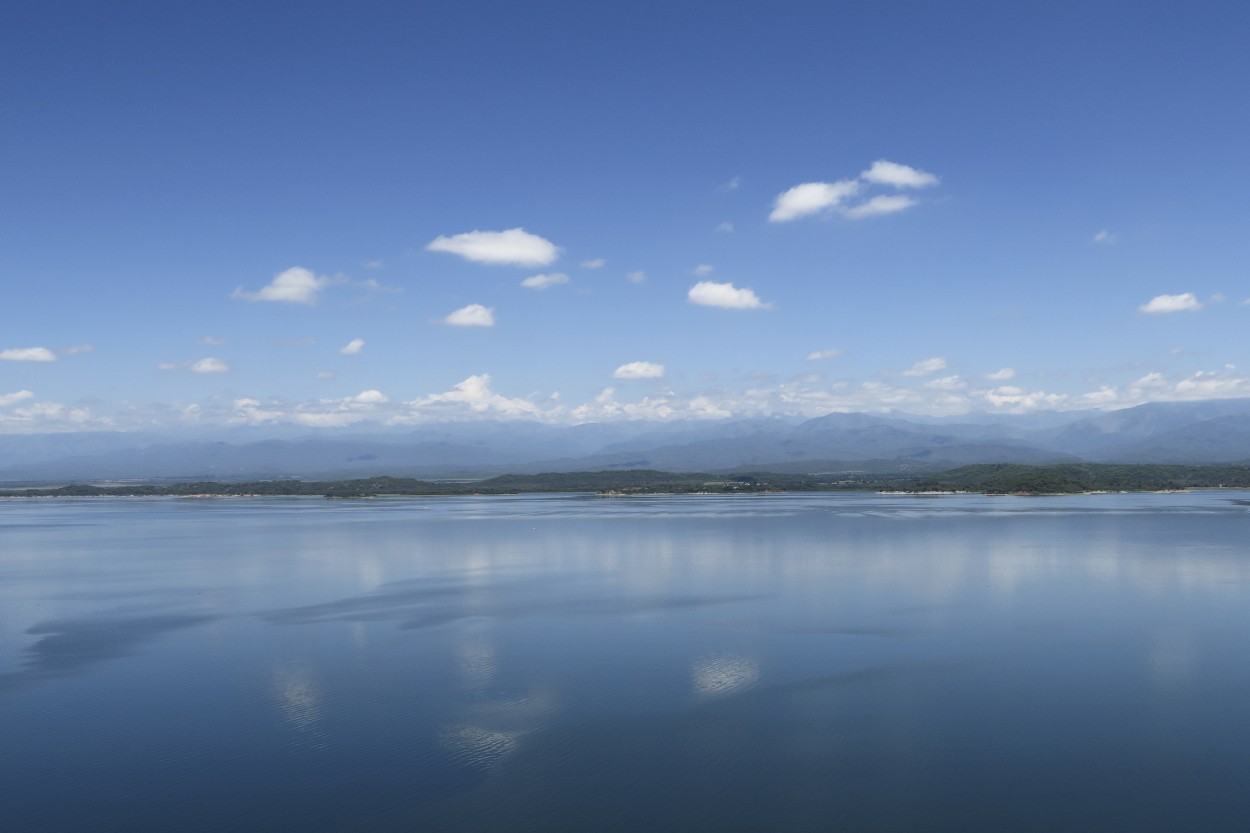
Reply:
x=732, y=185
x=544, y=281
x=724, y=228
x=515, y=247
x=1104, y=236
x=209, y=365
x=76, y=349
x=8, y=399
x=474, y=315
x=1002, y=375
x=212, y=341
x=371, y=397
x=326, y=374
x=27, y=354
x=1185, y=302
x=817, y=355
x=353, y=347
x=879, y=205
x=474, y=394
x=636, y=277
x=639, y=370
x=926, y=367
x=373, y=264
x=595, y=263
x=296, y=285
x=703, y=269
x=946, y=383
x=811, y=198
x=898, y=176
x=726, y=295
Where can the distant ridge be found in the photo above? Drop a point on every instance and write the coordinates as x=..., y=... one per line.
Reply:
x=1210, y=432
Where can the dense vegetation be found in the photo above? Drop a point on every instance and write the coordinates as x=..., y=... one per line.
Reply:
x=989, y=479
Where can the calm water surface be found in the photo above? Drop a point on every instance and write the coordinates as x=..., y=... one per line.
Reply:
x=539, y=663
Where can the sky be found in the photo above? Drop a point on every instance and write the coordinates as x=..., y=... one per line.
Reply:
x=330, y=215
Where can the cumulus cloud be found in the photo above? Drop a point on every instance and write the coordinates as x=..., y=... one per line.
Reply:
x=296, y=285
x=371, y=397
x=725, y=295
x=1003, y=375
x=926, y=367
x=946, y=383
x=879, y=205
x=209, y=365
x=811, y=198
x=817, y=355
x=474, y=315
x=816, y=197
x=353, y=347
x=27, y=354
x=897, y=176
x=474, y=395
x=703, y=269
x=636, y=277
x=639, y=370
x=8, y=399
x=514, y=247
x=544, y=281
x=594, y=263
x=1185, y=302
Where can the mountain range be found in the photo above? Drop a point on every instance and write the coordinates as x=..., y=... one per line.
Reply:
x=1214, y=431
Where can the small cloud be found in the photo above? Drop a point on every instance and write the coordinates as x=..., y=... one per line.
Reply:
x=373, y=264
x=212, y=341
x=946, y=383
x=371, y=397
x=1104, y=236
x=703, y=269
x=353, y=347
x=515, y=247
x=1002, y=375
x=639, y=370
x=897, y=176
x=731, y=185
x=326, y=374
x=636, y=277
x=811, y=198
x=27, y=354
x=880, y=205
x=76, y=349
x=725, y=295
x=474, y=315
x=296, y=285
x=8, y=399
x=724, y=228
x=926, y=367
x=817, y=355
x=544, y=281
x=1185, y=302
x=594, y=263
x=209, y=365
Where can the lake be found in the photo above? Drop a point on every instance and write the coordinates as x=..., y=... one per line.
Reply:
x=807, y=662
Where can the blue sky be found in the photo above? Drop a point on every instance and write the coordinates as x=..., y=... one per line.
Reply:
x=327, y=215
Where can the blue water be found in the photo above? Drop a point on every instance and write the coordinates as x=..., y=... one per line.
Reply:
x=546, y=663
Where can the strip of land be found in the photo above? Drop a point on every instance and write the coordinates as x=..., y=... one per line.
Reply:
x=984, y=479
